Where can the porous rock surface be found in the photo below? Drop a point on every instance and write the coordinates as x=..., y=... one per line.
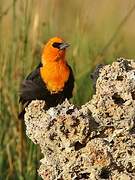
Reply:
x=95, y=141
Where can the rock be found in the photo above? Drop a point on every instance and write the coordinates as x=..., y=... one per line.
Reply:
x=114, y=102
x=95, y=141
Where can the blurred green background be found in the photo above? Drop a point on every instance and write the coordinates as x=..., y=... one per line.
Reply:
x=98, y=31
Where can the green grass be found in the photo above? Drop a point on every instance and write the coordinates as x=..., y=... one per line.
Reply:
x=98, y=32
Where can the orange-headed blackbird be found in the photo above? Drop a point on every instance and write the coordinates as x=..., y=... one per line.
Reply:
x=52, y=80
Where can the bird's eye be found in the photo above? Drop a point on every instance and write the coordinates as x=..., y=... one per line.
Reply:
x=56, y=45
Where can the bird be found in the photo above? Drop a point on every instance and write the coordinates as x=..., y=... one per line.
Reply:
x=52, y=80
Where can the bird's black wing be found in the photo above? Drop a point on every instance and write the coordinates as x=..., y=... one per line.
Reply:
x=33, y=87
x=34, y=73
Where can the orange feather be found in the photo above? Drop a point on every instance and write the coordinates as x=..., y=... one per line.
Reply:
x=55, y=71
x=55, y=75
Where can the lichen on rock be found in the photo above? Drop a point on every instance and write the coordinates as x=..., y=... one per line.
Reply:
x=95, y=141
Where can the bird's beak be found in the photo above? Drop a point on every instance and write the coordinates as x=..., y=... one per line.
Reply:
x=63, y=45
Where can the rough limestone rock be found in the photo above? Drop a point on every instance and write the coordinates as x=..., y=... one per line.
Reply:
x=95, y=141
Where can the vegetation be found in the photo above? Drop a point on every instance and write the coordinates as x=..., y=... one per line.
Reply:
x=98, y=32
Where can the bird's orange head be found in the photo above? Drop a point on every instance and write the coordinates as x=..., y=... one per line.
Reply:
x=54, y=50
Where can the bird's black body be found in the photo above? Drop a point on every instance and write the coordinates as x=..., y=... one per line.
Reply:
x=34, y=88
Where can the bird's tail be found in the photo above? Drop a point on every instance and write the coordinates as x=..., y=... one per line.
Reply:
x=22, y=110
x=21, y=115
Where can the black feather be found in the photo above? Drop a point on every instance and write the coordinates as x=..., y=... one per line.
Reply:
x=33, y=88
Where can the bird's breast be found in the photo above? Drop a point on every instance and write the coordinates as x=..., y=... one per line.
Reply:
x=55, y=75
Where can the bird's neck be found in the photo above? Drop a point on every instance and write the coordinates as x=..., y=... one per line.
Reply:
x=49, y=57
x=55, y=75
